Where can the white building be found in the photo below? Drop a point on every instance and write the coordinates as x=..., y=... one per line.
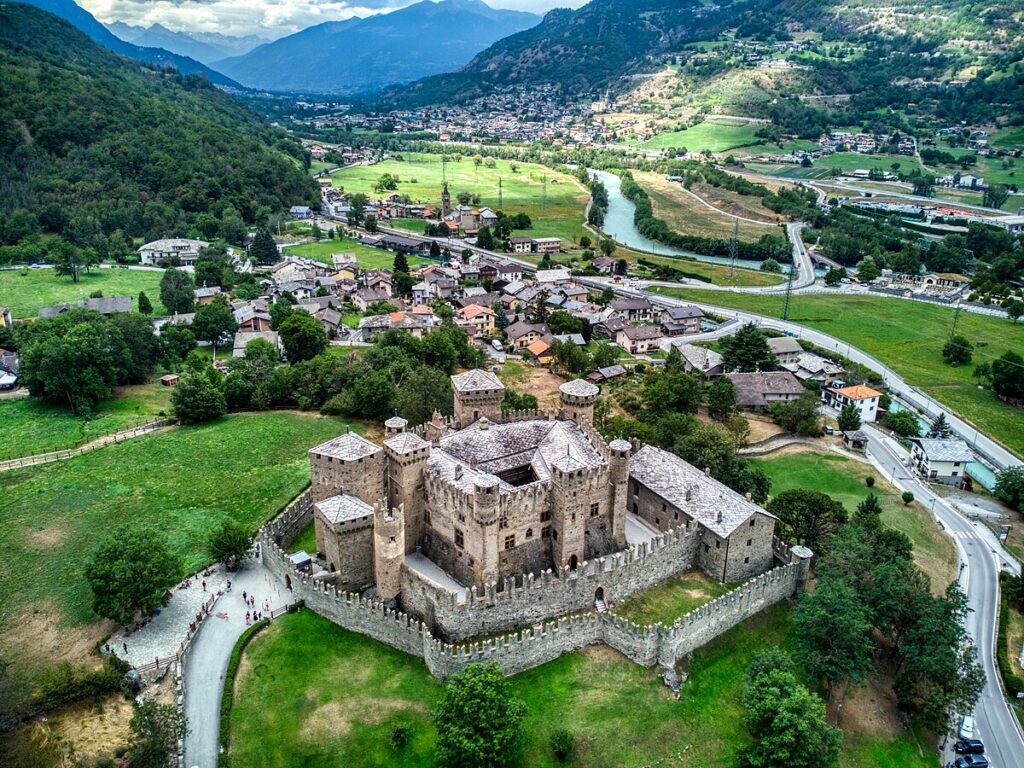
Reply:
x=864, y=398
x=184, y=250
x=941, y=461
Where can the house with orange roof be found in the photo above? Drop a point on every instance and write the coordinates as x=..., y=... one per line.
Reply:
x=540, y=351
x=864, y=398
x=477, y=320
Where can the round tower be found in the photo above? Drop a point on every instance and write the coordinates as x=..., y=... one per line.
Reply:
x=486, y=508
x=578, y=397
x=396, y=425
x=485, y=499
x=619, y=452
x=388, y=550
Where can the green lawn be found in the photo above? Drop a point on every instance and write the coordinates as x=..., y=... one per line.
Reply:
x=25, y=291
x=305, y=541
x=33, y=426
x=718, y=273
x=559, y=213
x=709, y=135
x=185, y=481
x=851, y=161
x=367, y=257
x=671, y=599
x=907, y=336
x=843, y=480
x=312, y=694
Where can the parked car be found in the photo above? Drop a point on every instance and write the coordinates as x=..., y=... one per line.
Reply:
x=497, y=345
x=971, y=761
x=966, y=727
x=969, y=747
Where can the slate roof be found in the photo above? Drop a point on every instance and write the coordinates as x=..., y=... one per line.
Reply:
x=782, y=345
x=579, y=388
x=684, y=313
x=752, y=388
x=347, y=447
x=476, y=380
x=670, y=477
x=540, y=443
x=405, y=442
x=343, y=507
x=951, y=449
x=701, y=358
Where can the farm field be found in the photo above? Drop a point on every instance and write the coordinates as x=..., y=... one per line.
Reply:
x=843, y=480
x=25, y=291
x=718, y=273
x=907, y=336
x=34, y=426
x=851, y=161
x=420, y=177
x=685, y=214
x=711, y=135
x=337, y=696
x=53, y=516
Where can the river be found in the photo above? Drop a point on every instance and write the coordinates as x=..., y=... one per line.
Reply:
x=618, y=223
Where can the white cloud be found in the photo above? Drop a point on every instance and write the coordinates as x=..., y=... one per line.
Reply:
x=265, y=17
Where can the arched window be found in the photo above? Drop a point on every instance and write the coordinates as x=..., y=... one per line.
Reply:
x=529, y=533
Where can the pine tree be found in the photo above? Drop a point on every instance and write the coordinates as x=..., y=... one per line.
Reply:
x=264, y=249
x=145, y=305
x=940, y=428
x=401, y=263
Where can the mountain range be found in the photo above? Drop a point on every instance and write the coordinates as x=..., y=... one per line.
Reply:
x=84, y=21
x=364, y=54
x=97, y=148
x=206, y=47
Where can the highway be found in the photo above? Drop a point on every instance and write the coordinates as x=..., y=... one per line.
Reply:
x=981, y=558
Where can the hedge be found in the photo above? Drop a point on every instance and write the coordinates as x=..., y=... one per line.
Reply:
x=227, y=700
x=1013, y=682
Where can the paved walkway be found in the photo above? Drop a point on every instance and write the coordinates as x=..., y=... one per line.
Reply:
x=207, y=659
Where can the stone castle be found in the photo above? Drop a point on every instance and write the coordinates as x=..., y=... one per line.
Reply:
x=483, y=522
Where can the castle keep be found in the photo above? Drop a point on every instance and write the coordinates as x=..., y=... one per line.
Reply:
x=463, y=520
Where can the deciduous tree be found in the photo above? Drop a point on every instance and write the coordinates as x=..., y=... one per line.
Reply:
x=129, y=573
x=479, y=720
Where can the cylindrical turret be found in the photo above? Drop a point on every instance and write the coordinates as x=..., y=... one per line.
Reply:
x=486, y=499
x=578, y=398
x=388, y=550
x=396, y=425
x=619, y=452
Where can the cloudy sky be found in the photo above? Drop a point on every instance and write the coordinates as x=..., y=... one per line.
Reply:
x=271, y=18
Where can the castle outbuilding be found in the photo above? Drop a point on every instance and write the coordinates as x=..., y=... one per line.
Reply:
x=482, y=499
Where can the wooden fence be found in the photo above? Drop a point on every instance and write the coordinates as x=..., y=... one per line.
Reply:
x=93, y=445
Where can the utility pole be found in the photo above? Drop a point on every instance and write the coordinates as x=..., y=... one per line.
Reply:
x=444, y=160
x=499, y=193
x=734, y=251
x=544, y=191
x=956, y=319
x=789, y=293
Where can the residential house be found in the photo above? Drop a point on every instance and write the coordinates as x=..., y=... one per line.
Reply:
x=571, y=338
x=106, y=305
x=407, y=245
x=548, y=278
x=521, y=244
x=608, y=327
x=606, y=374
x=941, y=461
x=244, y=337
x=522, y=334
x=379, y=280
x=415, y=323
x=363, y=298
x=342, y=260
x=206, y=295
x=605, y=265
x=785, y=348
x=9, y=365
x=632, y=310
x=864, y=398
x=699, y=361
x=759, y=390
x=639, y=339
x=420, y=294
x=179, y=251
x=477, y=320
x=678, y=321
x=547, y=244
x=811, y=367
x=252, y=317
x=540, y=350
x=301, y=212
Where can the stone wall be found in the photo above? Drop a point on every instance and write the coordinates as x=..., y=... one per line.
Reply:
x=519, y=651
x=535, y=598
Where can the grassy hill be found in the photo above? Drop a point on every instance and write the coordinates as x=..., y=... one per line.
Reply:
x=92, y=144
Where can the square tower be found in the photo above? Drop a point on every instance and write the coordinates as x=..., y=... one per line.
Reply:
x=478, y=394
x=347, y=464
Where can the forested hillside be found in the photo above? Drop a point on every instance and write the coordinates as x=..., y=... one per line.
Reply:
x=100, y=149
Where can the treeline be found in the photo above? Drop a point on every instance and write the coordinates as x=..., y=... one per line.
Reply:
x=99, y=150
x=766, y=247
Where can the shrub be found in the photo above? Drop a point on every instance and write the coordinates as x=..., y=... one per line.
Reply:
x=562, y=743
x=65, y=683
x=399, y=736
x=869, y=481
x=907, y=497
x=229, y=680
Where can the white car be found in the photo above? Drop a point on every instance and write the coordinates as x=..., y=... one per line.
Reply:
x=966, y=727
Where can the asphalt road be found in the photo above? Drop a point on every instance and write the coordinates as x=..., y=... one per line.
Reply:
x=981, y=558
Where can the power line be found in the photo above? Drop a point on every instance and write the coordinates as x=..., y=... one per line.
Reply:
x=733, y=250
